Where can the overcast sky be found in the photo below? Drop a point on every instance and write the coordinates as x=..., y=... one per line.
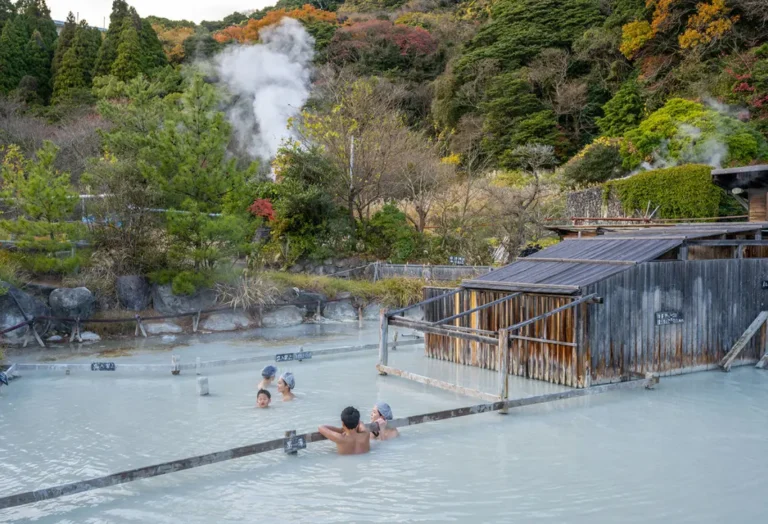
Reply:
x=196, y=10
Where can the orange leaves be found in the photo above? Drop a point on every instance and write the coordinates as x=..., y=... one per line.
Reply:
x=173, y=41
x=710, y=23
x=250, y=32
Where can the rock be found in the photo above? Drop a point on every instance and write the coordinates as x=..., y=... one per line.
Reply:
x=416, y=313
x=158, y=328
x=168, y=338
x=328, y=262
x=344, y=295
x=40, y=290
x=72, y=302
x=372, y=311
x=227, y=321
x=330, y=269
x=342, y=310
x=319, y=270
x=89, y=336
x=285, y=316
x=11, y=316
x=54, y=339
x=341, y=263
x=296, y=268
x=134, y=292
x=309, y=301
x=166, y=303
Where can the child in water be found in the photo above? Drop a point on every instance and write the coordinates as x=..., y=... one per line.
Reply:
x=380, y=414
x=285, y=386
x=263, y=398
x=267, y=376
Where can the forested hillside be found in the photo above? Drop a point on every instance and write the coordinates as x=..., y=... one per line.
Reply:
x=410, y=131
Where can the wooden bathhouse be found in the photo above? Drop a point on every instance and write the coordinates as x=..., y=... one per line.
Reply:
x=611, y=307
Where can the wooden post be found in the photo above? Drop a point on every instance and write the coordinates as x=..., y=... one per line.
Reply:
x=683, y=253
x=140, y=326
x=504, y=368
x=359, y=316
x=195, y=321
x=383, y=339
x=394, y=342
x=37, y=335
x=75, y=335
x=742, y=341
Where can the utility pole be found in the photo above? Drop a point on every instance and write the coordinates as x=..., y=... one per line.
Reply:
x=351, y=163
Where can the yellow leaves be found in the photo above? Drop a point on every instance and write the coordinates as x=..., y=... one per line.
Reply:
x=634, y=36
x=173, y=41
x=453, y=159
x=711, y=22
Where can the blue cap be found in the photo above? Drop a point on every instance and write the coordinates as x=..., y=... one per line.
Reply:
x=289, y=380
x=269, y=372
x=384, y=410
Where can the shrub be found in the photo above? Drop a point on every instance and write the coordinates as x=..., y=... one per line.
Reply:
x=389, y=236
x=622, y=112
x=250, y=289
x=596, y=163
x=684, y=191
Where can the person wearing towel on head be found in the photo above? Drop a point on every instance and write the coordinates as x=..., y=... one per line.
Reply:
x=380, y=414
x=285, y=386
x=267, y=376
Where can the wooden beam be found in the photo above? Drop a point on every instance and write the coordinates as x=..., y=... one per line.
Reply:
x=578, y=261
x=728, y=243
x=520, y=286
x=447, y=386
x=574, y=303
x=544, y=341
x=468, y=329
x=476, y=309
x=442, y=330
x=173, y=466
x=742, y=341
x=423, y=303
x=763, y=362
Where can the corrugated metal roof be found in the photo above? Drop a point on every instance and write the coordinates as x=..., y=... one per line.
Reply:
x=579, y=263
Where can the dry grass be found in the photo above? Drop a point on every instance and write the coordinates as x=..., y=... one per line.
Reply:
x=249, y=290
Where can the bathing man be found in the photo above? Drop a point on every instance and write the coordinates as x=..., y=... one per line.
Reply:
x=352, y=438
x=263, y=398
x=380, y=414
x=267, y=376
x=285, y=386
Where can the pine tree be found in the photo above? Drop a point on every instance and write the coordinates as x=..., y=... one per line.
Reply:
x=128, y=63
x=108, y=50
x=39, y=19
x=622, y=112
x=37, y=66
x=64, y=42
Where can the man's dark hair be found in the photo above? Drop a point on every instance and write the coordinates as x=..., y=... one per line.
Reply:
x=350, y=417
x=264, y=392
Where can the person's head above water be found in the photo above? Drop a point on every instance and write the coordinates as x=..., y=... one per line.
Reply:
x=263, y=398
x=287, y=380
x=269, y=372
x=350, y=418
x=383, y=410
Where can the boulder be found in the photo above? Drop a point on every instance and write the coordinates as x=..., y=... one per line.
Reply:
x=305, y=300
x=372, y=311
x=72, y=302
x=10, y=315
x=166, y=303
x=342, y=310
x=227, y=321
x=158, y=328
x=55, y=339
x=343, y=295
x=134, y=292
x=285, y=316
x=89, y=336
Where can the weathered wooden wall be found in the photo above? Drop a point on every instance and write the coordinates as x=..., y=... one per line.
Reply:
x=550, y=362
x=718, y=300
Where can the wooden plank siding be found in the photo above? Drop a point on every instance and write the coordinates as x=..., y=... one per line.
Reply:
x=544, y=361
x=718, y=300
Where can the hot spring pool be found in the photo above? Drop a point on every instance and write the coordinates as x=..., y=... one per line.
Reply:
x=693, y=450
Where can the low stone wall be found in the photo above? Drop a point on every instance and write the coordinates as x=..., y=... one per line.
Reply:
x=591, y=202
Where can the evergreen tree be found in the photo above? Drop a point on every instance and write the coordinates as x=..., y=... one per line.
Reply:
x=37, y=66
x=75, y=73
x=39, y=19
x=64, y=42
x=12, y=43
x=152, y=49
x=622, y=112
x=108, y=50
x=7, y=10
x=128, y=63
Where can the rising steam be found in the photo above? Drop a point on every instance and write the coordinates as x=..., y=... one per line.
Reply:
x=270, y=82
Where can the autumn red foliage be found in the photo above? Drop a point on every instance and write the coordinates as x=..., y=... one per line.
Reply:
x=262, y=208
x=250, y=31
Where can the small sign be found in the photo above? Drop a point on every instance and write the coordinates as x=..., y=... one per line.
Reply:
x=287, y=357
x=765, y=284
x=665, y=318
x=457, y=261
x=102, y=366
x=295, y=443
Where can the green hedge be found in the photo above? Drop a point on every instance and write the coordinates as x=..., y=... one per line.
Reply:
x=684, y=191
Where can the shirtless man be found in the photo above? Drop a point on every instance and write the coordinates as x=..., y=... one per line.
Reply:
x=380, y=414
x=352, y=438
